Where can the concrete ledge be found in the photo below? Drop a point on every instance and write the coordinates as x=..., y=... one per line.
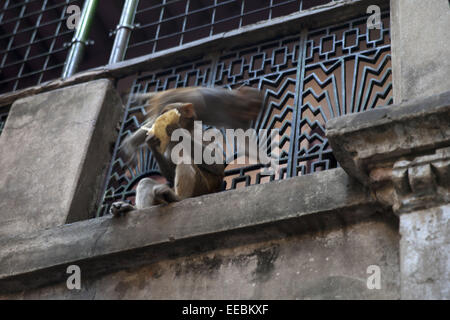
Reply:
x=102, y=245
x=383, y=135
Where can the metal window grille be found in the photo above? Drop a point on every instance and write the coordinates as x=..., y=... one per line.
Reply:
x=32, y=38
x=307, y=78
x=165, y=24
x=3, y=115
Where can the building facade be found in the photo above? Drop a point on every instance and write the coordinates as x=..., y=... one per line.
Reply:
x=358, y=208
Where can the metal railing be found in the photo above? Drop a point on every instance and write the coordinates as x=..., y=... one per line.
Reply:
x=36, y=45
x=3, y=115
x=80, y=39
x=32, y=42
x=169, y=23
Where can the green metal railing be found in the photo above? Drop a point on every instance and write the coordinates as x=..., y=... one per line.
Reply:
x=144, y=27
x=80, y=39
x=123, y=31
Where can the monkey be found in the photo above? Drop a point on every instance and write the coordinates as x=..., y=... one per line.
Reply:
x=217, y=107
x=213, y=106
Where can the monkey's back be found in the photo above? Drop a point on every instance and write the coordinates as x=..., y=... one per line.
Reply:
x=214, y=106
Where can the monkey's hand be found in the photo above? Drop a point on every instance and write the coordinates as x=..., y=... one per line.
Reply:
x=159, y=127
x=153, y=142
x=171, y=128
x=164, y=194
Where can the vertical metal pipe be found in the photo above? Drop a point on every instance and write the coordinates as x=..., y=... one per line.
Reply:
x=123, y=31
x=80, y=38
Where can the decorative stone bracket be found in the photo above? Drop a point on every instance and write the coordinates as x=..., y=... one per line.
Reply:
x=421, y=183
x=400, y=152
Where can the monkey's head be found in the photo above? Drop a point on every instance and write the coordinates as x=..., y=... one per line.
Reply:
x=187, y=113
x=186, y=109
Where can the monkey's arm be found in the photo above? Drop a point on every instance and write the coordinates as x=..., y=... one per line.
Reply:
x=166, y=166
x=129, y=146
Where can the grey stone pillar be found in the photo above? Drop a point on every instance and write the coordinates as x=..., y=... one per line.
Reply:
x=420, y=48
x=54, y=150
x=402, y=153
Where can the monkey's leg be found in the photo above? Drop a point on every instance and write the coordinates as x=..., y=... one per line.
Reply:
x=144, y=193
x=192, y=181
x=150, y=192
x=164, y=194
x=144, y=198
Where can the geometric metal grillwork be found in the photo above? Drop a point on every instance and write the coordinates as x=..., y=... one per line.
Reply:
x=165, y=24
x=347, y=69
x=307, y=79
x=272, y=67
x=32, y=40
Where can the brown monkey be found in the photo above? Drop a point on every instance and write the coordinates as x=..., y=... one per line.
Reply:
x=216, y=107
x=213, y=106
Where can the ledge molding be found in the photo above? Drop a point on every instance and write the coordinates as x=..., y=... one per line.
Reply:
x=292, y=206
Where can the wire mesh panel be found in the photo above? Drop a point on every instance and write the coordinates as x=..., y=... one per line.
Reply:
x=307, y=78
x=165, y=24
x=3, y=115
x=32, y=42
x=347, y=68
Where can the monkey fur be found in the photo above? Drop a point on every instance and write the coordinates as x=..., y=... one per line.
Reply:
x=159, y=127
x=213, y=106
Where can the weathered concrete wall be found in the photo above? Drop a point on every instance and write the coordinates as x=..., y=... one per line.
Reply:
x=307, y=237
x=425, y=254
x=420, y=48
x=273, y=240
x=278, y=209
x=310, y=237
x=325, y=264
x=54, y=149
